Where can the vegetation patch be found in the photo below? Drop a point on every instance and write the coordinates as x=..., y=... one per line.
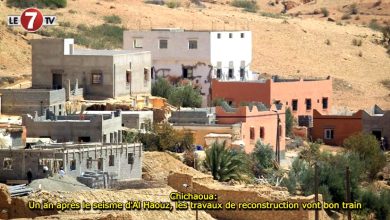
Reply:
x=386, y=83
x=113, y=19
x=173, y=4
x=155, y=2
x=357, y=42
x=37, y=3
x=273, y=15
x=325, y=12
x=247, y=5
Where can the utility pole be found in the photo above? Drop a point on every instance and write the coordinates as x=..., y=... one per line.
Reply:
x=348, y=190
x=316, y=189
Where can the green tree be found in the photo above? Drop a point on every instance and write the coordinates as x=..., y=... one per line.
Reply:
x=263, y=157
x=161, y=88
x=368, y=149
x=226, y=164
x=185, y=96
x=289, y=122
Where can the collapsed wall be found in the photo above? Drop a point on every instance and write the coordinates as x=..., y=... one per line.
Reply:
x=187, y=184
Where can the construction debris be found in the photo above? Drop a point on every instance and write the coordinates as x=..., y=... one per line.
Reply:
x=19, y=190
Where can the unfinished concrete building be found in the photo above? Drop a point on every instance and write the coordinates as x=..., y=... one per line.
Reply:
x=193, y=116
x=76, y=128
x=57, y=64
x=130, y=119
x=114, y=161
x=29, y=101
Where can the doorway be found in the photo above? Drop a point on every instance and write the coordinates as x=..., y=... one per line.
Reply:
x=377, y=134
x=57, y=81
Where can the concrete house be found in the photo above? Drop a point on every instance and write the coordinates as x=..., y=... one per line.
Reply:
x=75, y=128
x=130, y=119
x=112, y=160
x=300, y=95
x=198, y=56
x=57, y=64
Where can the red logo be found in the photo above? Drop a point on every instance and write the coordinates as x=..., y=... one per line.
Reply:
x=31, y=19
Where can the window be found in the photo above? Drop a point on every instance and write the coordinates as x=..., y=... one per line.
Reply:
x=97, y=78
x=219, y=35
x=192, y=44
x=231, y=73
x=242, y=35
x=111, y=161
x=252, y=133
x=100, y=164
x=308, y=104
x=324, y=103
x=128, y=76
x=242, y=72
x=7, y=163
x=137, y=43
x=146, y=75
x=230, y=35
x=89, y=163
x=219, y=73
x=328, y=134
x=187, y=72
x=73, y=165
x=163, y=44
x=294, y=105
x=130, y=158
x=262, y=132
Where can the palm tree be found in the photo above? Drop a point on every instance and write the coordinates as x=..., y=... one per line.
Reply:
x=226, y=164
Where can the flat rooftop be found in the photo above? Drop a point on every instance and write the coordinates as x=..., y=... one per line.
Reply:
x=103, y=52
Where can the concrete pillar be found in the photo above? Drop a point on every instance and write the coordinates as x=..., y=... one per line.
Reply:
x=68, y=90
x=76, y=85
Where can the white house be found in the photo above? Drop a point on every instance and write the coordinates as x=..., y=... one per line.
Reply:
x=195, y=55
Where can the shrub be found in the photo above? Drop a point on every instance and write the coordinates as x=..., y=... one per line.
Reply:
x=377, y=202
x=185, y=96
x=82, y=27
x=327, y=42
x=368, y=149
x=247, y=5
x=71, y=11
x=386, y=83
x=112, y=19
x=173, y=4
x=357, y=42
x=354, y=9
x=226, y=164
x=289, y=122
x=325, y=12
x=161, y=88
x=374, y=25
x=155, y=2
x=263, y=157
x=346, y=16
x=65, y=24
x=273, y=15
x=37, y=3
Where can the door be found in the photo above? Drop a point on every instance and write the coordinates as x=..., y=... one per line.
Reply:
x=57, y=81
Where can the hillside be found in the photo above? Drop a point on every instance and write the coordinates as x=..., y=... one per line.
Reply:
x=288, y=46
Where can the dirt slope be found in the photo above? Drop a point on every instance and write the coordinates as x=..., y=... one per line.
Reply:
x=293, y=47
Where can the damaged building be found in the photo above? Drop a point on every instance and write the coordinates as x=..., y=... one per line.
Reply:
x=94, y=164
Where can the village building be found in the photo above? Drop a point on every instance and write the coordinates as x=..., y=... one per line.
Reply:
x=29, y=101
x=240, y=127
x=75, y=128
x=12, y=136
x=197, y=56
x=333, y=129
x=101, y=74
x=130, y=119
x=302, y=96
x=113, y=161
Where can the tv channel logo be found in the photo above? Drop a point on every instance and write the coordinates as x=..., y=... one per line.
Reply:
x=31, y=20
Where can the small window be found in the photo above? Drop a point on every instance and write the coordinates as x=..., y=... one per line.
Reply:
x=242, y=72
x=163, y=44
x=262, y=132
x=242, y=35
x=128, y=76
x=100, y=164
x=219, y=73
x=295, y=105
x=219, y=35
x=7, y=163
x=137, y=43
x=192, y=44
x=230, y=35
x=328, y=134
x=252, y=133
x=231, y=73
x=130, y=158
x=324, y=103
x=97, y=78
x=146, y=74
x=73, y=165
x=308, y=104
x=188, y=72
x=89, y=163
x=111, y=160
